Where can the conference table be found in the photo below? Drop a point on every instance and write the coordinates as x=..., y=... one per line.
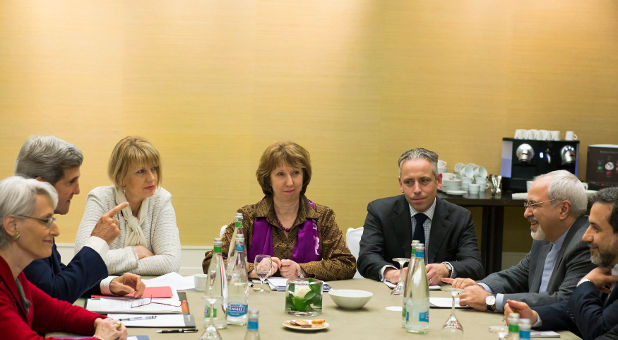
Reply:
x=373, y=321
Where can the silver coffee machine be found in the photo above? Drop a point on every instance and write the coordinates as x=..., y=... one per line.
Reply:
x=524, y=159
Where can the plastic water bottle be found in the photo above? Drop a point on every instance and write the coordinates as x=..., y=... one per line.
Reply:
x=216, y=265
x=513, y=326
x=407, y=290
x=417, y=306
x=232, y=249
x=524, y=329
x=238, y=287
x=252, y=326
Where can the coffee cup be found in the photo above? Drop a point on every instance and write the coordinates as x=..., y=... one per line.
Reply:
x=570, y=135
x=473, y=188
x=544, y=134
x=200, y=281
x=521, y=134
x=528, y=185
x=555, y=135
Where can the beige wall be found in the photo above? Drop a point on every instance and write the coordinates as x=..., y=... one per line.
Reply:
x=211, y=83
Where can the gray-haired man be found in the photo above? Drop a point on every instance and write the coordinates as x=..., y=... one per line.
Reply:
x=57, y=162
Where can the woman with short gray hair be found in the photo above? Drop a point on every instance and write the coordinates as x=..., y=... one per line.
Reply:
x=27, y=231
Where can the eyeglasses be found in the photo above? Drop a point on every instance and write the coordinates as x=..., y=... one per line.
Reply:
x=532, y=204
x=47, y=221
x=148, y=300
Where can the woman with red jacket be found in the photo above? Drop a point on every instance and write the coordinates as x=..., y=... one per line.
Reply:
x=27, y=230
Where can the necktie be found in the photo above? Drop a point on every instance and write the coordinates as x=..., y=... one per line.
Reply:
x=419, y=231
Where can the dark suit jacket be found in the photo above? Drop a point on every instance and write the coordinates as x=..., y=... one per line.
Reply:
x=612, y=334
x=388, y=233
x=68, y=282
x=588, y=313
x=522, y=281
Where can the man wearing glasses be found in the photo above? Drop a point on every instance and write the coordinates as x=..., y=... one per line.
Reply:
x=57, y=162
x=593, y=308
x=558, y=258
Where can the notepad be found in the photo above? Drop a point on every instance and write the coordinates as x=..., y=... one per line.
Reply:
x=156, y=292
x=159, y=320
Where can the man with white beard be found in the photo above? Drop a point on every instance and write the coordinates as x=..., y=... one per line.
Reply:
x=558, y=258
x=593, y=308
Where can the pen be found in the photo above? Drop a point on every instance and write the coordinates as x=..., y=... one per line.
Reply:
x=182, y=330
x=139, y=318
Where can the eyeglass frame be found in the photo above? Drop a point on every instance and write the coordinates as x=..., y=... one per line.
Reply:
x=527, y=204
x=141, y=302
x=47, y=221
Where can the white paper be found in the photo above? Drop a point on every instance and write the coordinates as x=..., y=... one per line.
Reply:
x=439, y=302
x=392, y=285
x=174, y=280
x=160, y=320
x=114, y=304
x=544, y=334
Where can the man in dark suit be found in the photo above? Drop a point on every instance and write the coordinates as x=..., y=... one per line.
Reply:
x=53, y=160
x=393, y=222
x=558, y=258
x=592, y=310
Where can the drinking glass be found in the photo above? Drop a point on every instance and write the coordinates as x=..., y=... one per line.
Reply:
x=262, y=266
x=211, y=332
x=398, y=290
x=452, y=328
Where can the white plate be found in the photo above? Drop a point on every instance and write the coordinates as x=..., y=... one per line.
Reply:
x=456, y=192
x=325, y=325
x=519, y=195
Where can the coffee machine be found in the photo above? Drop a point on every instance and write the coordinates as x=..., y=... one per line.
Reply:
x=524, y=159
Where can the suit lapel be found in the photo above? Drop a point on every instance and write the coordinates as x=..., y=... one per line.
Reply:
x=440, y=227
x=554, y=281
x=402, y=221
x=540, y=265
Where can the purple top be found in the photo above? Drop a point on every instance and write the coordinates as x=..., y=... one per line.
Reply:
x=306, y=248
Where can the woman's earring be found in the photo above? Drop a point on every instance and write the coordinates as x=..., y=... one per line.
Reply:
x=17, y=236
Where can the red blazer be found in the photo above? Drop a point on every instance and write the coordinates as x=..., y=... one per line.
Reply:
x=45, y=315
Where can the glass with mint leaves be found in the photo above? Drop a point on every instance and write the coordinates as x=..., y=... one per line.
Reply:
x=303, y=297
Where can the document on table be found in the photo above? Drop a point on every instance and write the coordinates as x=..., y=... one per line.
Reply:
x=392, y=285
x=175, y=280
x=114, y=304
x=439, y=302
x=155, y=320
x=279, y=283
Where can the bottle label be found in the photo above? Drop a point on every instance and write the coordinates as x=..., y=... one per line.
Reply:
x=252, y=325
x=239, y=247
x=513, y=328
x=217, y=249
x=403, y=313
x=420, y=253
x=423, y=317
x=238, y=224
x=524, y=334
x=207, y=312
x=236, y=310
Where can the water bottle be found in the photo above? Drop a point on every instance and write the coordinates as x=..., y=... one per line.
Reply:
x=407, y=281
x=216, y=265
x=417, y=305
x=232, y=249
x=238, y=286
x=252, y=326
x=524, y=329
x=513, y=326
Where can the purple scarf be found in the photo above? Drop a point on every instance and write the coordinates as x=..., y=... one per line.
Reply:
x=306, y=248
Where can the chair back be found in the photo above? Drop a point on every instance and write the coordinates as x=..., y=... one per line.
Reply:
x=352, y=239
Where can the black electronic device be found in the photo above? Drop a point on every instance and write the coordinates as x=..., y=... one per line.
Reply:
x=524, y=159
x=602, y=166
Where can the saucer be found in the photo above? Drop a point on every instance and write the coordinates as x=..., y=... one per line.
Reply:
x=456, y=192
x=313, y=327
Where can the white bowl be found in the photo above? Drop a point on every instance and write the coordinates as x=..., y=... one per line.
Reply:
x=350, y=298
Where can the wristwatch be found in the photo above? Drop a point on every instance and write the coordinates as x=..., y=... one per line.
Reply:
x=490, y=301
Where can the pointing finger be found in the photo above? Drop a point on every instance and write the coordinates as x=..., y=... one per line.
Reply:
x=116, y=209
